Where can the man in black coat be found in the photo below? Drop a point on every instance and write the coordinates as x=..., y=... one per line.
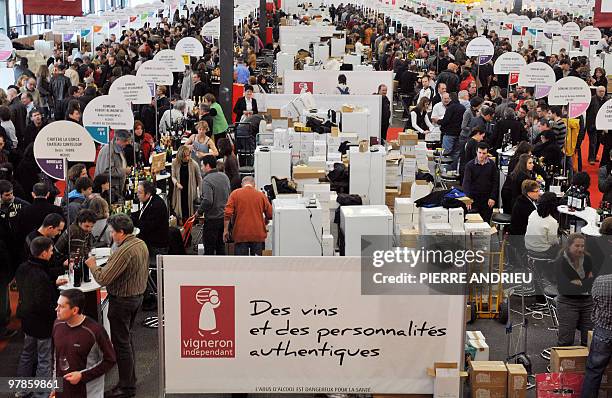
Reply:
x=199, y=87
x=59, y=87
x=548, y=149
x=37, y=284
x=481, y=182
x=19, y=113
x=152, y=220
x=450, y=127
x=450, y=78
x=37, y=122
x=38, y=210
x=595, y=136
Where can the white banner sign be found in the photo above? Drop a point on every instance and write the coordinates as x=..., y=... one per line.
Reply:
x=190, y=46
x=132, y=89
x=172, y=60
x=62, y=140
x=104, y=113
x=590, y=33
x=538, y=74
x=154, y=72
x=573, y=91
x=298, y=325
x=509, y=62
x=603, y=121
x=6, y=47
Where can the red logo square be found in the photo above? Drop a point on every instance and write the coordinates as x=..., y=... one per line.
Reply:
x=208, y=322
x=303, y=87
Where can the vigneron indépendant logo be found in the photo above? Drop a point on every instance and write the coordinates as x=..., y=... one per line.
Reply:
x=208, y=322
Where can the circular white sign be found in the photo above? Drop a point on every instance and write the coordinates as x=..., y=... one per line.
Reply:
x=63, y=26
x=573, y=91
x=190, y=46
x=603, y=121
x=590, y=33
x=155, y=72
x=479, y=46
x=536, y=73
x=172, y=60
x=509, y=62
x=553, y=28
x=62, y=140
x=104, y=113
x=537, y=23
x=132, y=89
x=439, y=30
x=6, y=47
x=571, y=29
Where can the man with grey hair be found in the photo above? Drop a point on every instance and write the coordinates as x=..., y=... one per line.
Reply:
x=111, y=159
x=464, y=98
x=247, y=207
x=172, y=117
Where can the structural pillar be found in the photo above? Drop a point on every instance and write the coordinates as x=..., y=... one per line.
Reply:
x=263, y=20
x=226, y=56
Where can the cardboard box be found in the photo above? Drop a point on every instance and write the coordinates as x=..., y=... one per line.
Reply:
x=347, y=108
x=334, y=131
x=364, y=146
x=447, y=383
x=517, y=380
x=320, y=148
x=420, y=189
x=568, y=359
x=455, y=218
x=274, y=112
x=474, y=335
x=589, y=338
x=404, y=206
x=488, y=392
x=328, y=245
x=304, y=172
x=405, y=189
x=436, y=229
x=433, y=215
x=488, y=374
x=482, y=349
x=473, y=218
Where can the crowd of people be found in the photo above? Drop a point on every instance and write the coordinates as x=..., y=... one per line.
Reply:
x=441, y=90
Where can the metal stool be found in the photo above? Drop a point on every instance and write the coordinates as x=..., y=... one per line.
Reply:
x=448, y=179
x=551, y=292
x=151, y=322
x=246, y=171
x=500, y=221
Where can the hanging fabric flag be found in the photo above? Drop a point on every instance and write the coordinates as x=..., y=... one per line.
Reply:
x=443, y=40
x=97, y=28
x=532, y=32
x=517, y=30
x=85, y=32
x=68, y=36
x=144, y=17
x=132, y=19
x=585, y=43
x=111, y=25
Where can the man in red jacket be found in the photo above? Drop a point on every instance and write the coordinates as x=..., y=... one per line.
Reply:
x=247, y=207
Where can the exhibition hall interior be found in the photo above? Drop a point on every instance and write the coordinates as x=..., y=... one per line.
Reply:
x=325, y=198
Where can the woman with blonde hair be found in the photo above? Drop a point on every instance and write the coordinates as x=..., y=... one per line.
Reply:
x=43, y=85
x=100, y=231
x=201, y=144
x=187, y=180
x=3, y=97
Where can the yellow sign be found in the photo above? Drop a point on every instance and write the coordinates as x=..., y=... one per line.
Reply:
x=186, y=59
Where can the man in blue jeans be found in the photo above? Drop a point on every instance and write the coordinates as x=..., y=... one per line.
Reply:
x=601, y=345
x=37, y=299
x=450, y=126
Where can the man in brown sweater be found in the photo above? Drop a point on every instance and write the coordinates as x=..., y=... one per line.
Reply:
x=247, y=207
x=125, y=277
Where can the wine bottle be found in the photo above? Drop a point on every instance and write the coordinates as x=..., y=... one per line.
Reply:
x=85, y=271
x=78, y=272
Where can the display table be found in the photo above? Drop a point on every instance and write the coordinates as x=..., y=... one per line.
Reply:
x=589, y=215
x=92, y=294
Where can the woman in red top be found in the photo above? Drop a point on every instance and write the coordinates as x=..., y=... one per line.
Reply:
x=466, y=79
x=143, y=143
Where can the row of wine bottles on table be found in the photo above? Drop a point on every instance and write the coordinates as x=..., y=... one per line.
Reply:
x=80, y=271
x=577, y=198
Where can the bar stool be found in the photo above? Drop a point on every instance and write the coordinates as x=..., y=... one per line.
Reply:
x=500, y=221
x=551, y=292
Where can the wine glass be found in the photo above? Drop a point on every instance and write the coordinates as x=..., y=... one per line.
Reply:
x=63, y=364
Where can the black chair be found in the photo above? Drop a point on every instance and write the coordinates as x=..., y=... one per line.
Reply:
x=245, y=144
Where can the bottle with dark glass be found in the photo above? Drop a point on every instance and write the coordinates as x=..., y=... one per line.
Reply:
x=85, y=271
x=78, y=271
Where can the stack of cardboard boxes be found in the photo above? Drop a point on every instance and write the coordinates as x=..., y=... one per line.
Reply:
x=477, y=340
x=494, y=379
